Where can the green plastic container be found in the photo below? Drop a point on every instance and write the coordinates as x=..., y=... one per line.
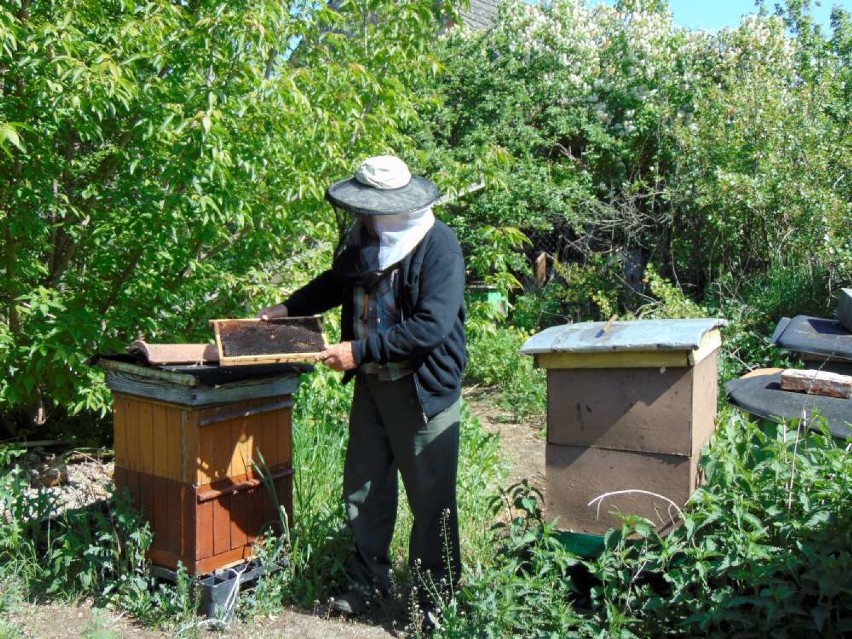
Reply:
x=488, y=295
x=581, y=544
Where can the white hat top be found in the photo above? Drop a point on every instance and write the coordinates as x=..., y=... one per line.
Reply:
x=383, y=172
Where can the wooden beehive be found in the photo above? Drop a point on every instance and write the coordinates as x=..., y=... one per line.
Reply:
x=190, y=456
x=630, y=406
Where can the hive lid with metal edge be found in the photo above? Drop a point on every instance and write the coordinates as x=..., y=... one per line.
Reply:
x=626, y=344
x=816, y=339
x=196, y=384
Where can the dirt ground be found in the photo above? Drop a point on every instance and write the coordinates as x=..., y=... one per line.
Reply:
x=523, y=449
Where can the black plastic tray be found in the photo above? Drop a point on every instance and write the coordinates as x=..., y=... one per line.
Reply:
x=763, y=396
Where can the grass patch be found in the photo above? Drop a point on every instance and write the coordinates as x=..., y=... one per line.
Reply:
x=764, y=547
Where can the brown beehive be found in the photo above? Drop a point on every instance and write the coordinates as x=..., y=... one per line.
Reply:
x=190, y=455
x=630, y=405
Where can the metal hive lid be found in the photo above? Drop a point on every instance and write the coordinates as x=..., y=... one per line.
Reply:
x=635, y=335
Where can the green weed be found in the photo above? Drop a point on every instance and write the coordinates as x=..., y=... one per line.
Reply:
x=764, y=549
x=495, y=362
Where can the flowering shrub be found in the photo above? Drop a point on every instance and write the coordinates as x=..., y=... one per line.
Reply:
x=723, y=158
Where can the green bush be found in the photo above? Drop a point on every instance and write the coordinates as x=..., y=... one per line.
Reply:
x=763, y=549
x=605, y=130
x=495, y=362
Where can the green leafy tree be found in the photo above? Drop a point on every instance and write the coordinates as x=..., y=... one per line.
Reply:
x=164, y=163
x=612, y=133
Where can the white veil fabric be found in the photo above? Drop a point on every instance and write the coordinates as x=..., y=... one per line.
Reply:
x=399, y=234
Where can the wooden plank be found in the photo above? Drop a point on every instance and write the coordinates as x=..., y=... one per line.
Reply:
x=119, y=429
x=167, y=559
x=223, y=449
x=203, y=530
x=267, y=449
x=247, y=409
x=146, y=498
x=172, y=442
x=285, y=436
x=190, y=449
x=705, y=399
x=158, y=517
x=206, y=457
x=252, y=360
x=221, y=524
x=239, y=484
x=190, y=518
x=163, y=354
x=231, y=557
x=242, y=391
x=237, y=464
x=171, y=515
x=254, y=513
x=761, y=372
x=132, y=448
x=639, y=409
x=146, y=437
x=710, y=342
x=239, y=508
x=118, y=371
x=576, y=475
x=131, y=484
x=159, y=434
x=622, y=359
x=815, y=382
x=196, y=395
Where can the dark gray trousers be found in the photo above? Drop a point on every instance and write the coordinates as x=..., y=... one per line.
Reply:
x=388, y=432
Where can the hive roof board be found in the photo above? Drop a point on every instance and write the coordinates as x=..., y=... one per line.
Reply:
x=174, y=354
x=253, y=341
x=643, y=343
x=814, y=335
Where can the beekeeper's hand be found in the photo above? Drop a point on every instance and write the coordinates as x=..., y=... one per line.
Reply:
x=272, y=312
x=339, y=357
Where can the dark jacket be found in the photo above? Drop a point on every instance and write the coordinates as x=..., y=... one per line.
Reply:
x=431, y=302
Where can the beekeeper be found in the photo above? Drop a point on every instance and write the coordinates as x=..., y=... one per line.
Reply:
x=399, y=278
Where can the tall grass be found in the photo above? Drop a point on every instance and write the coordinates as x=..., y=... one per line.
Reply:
x=318, y=541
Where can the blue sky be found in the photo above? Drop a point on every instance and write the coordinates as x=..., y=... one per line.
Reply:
x=712, y=15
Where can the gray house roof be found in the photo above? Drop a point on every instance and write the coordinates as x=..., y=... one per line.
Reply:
x=481, y=15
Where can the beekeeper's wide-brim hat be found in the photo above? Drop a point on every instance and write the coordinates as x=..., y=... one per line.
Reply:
x=383, y=185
